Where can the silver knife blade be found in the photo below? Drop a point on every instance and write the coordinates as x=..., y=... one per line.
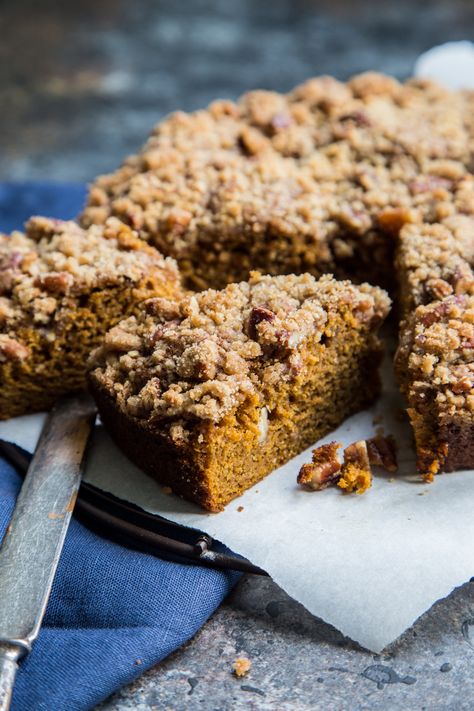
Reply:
x=32, y=545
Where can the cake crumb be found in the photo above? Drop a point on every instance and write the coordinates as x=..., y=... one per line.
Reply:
x=240, y=508
x=356, y=474
x=241, y=666
x=167, y=490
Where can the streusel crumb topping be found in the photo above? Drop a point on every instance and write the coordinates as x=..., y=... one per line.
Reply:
x=435, y=261
x=200, y=357
x=57, y=260
x=438, y=347
x=323, y=167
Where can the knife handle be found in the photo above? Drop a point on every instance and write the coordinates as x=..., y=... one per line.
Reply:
x=10, y=653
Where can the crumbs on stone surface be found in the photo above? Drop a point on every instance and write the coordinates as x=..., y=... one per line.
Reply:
x=55, y=260
x=241, y=666
x=205, y=354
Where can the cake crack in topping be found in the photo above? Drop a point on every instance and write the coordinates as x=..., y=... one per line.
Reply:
x=203, y=356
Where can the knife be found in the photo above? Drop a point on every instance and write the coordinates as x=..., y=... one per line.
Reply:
x=32, y=545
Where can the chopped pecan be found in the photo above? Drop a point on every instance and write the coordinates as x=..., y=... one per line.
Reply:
x=324, y=470
x=178, y=221
x=439, y=288
x=382, y=452
x=257, y=315
x=55, y=282
x=465, y=384
x=392, y=219
x=12, y=350
x=358, y=117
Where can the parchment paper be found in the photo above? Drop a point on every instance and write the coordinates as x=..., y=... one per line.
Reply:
x=369, y=565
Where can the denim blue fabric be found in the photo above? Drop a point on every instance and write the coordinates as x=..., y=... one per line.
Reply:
x=113, y=612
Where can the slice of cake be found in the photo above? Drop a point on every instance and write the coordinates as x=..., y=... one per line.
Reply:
x=61, y=289
x=319, y=180
x=211, y=393
x=435, y=358
x=435, y=363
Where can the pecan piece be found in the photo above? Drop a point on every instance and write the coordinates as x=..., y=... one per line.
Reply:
x=55, y=282
x=324, y=470
x=356, y=474
x=359, y=118
x=382, y=452
x=12, y=350
x=257, y=315
x=392, y=219
x=438, y=288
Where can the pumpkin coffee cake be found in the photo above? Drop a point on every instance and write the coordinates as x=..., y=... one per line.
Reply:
x=61, y=289
x=212, y=392
x=328, y=178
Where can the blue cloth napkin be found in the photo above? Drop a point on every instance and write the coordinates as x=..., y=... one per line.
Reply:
x=113, y=612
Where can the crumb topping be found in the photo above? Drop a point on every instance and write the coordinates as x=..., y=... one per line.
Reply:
x=202, y=356
x=435, y=261
x=56, y=261
x=437, y=353
x=324, y=167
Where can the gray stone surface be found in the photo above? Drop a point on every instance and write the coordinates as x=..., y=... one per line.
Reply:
x=300, y=663
x=81, y=83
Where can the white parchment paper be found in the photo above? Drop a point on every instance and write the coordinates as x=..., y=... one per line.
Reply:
x=369, y=565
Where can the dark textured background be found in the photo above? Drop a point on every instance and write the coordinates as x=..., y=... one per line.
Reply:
x=81, y=84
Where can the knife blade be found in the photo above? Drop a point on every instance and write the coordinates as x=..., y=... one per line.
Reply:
x=32, y=544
